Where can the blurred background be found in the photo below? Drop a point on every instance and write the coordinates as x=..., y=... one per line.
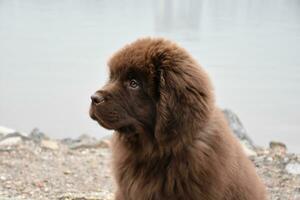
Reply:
x=53, y=56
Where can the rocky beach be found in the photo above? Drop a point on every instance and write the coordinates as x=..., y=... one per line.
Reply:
x=34, y=166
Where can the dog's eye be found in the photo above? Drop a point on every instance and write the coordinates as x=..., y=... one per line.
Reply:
x=133, y=83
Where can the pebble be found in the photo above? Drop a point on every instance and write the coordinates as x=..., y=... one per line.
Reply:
x=104, y=143
x=102, y=195
x=37, y=136
x=67, y=172
x=81, y=165
x=278, y=147
x=293, y=168
x=237, y=127
x=269, y=159
x=249, y=152
x=10, y=141
x=87, y=142
x=6, y=131
x=49, y=144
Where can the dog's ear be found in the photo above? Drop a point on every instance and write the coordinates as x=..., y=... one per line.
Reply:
x=167, y=111
x=184, y=99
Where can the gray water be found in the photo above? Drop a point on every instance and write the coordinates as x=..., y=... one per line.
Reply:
x=53, y=57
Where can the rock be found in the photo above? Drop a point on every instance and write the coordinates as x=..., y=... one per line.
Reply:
x=269, y=159
x=15, y=134
x=274, y=145
x=10, y=141
x=103, y=195
x=278, y=148
x=249, y=152
x=293, y=168
x=49, y=144
x=86, y=138
x=85, y=141
x=238, y=128
x=104, y=144
x=6, y=131
x=67, y=172
x=68, y=141
x=37, y=136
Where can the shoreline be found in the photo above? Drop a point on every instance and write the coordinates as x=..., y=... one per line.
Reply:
x=34, y=166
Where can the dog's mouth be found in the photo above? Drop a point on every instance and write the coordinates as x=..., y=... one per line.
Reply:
x=113, y=119
x=93, y=115
x=103, y=123
x=106, y=120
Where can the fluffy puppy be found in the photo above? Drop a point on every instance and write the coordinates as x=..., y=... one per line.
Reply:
x=171, y=142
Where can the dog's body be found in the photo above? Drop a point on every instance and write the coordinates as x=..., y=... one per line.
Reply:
x=211, y=168
x=171, y=141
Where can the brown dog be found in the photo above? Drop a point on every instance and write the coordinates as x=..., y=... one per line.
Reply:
x=171, y=142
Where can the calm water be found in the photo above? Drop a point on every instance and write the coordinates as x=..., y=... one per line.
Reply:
x=53, y=57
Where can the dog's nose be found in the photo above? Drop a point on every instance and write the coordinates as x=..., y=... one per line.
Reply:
x=97, y=98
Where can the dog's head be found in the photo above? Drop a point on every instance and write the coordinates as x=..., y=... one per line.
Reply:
x=154, y=87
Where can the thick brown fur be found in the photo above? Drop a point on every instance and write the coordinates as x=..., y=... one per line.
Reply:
x=171, y=142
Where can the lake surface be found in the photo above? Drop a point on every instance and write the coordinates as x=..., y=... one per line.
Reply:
x=53, y=56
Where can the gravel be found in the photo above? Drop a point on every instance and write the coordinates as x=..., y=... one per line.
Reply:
x=36, y=167
x=31, y=170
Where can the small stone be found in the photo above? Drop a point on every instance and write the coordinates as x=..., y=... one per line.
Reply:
x=293, y=168
x=270, y=159
x=46, y=189
x=37, y=136
x=67, y=172
x=6, y=131
x=278, y=147
x=49, y=144
x=286, y=160
x=85, y=137
x=86, y=142
x=38, y=184
x=249, y=152
x=10, y=141
x=104, y=144
x=237, y=127
x=103, y=195
x=2, y=178
x=68, y=141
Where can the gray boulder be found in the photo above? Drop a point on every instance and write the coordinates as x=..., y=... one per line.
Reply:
x=37, y=136
x=238, y=128
x=12, y=139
